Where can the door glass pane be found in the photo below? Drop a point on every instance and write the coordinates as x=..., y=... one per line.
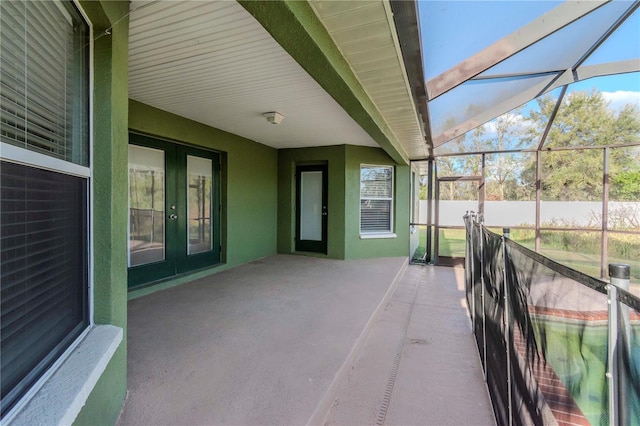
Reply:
x=199, y=184
x=311, y=206
x=146, y=205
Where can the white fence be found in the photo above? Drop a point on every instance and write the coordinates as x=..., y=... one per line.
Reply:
x=523, y=213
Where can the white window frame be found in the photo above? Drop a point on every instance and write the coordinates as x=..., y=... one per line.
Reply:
x=23, y=156
x=385, y=233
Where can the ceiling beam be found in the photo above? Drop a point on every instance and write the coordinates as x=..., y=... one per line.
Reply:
x=508, y=46
x=586, y=72
x=611, y=68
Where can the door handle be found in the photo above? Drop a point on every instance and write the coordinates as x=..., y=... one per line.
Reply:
x=173, y=216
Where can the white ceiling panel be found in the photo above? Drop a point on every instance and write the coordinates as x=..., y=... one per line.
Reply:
x=212, y=62
x=365, y=34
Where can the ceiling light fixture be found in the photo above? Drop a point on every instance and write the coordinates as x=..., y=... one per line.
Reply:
x=273, y=117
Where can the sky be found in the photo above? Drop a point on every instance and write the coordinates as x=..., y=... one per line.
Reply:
x=483, y=23
x=452, y=31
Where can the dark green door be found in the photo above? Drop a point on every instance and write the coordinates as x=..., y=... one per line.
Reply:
x=173, y=209
x=311, y=208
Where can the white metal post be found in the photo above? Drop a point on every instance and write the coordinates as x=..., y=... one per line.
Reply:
x=620, y=276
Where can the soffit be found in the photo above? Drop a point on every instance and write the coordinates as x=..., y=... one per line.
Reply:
x=212, y=62
x=365, y=34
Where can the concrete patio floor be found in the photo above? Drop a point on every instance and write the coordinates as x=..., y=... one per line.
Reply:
x=294, y=340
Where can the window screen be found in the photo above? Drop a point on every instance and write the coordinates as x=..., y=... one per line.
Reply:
x=376, y=199
x=44, y=104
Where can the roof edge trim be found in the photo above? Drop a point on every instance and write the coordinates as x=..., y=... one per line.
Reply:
x=405, y=19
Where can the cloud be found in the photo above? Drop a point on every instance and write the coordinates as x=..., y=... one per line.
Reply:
x=515, y=119
x=617, y=100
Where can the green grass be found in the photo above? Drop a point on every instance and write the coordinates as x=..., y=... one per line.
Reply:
x=422, y=244
x=577, y=250
x=452, y=242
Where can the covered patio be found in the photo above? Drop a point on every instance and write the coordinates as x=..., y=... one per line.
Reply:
x=302, y=340
x=208, y=206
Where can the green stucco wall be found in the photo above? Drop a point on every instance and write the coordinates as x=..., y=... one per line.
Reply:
x=110, y=105
x=288, y=159
x=357, y=248
x=343, y=239
x=249, y=182
x=105, y=402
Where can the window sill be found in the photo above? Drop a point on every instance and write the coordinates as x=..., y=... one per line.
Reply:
x=62, y=396
x=381, y=235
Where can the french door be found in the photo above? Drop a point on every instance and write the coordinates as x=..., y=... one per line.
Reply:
x=174, y=201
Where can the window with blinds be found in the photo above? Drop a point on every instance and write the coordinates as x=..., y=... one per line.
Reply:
x=376, y=199
x=44, y=189
x=44, y=270
x=43, y=52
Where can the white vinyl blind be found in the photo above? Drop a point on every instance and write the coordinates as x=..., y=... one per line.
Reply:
x=43, y=97
x=376, y=199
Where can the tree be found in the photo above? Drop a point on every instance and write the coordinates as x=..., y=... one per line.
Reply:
x=462, y=165
x=583, y=120
x=502, y=171
x=625, y=186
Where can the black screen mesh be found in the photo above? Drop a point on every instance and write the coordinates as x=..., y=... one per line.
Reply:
x=629, y=358
x=542, y=334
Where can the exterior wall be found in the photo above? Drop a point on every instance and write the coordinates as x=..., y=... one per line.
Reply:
x=343, y=201
x=249, y=185
x=288, y=159
x=109, y=199
x=355, y=247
